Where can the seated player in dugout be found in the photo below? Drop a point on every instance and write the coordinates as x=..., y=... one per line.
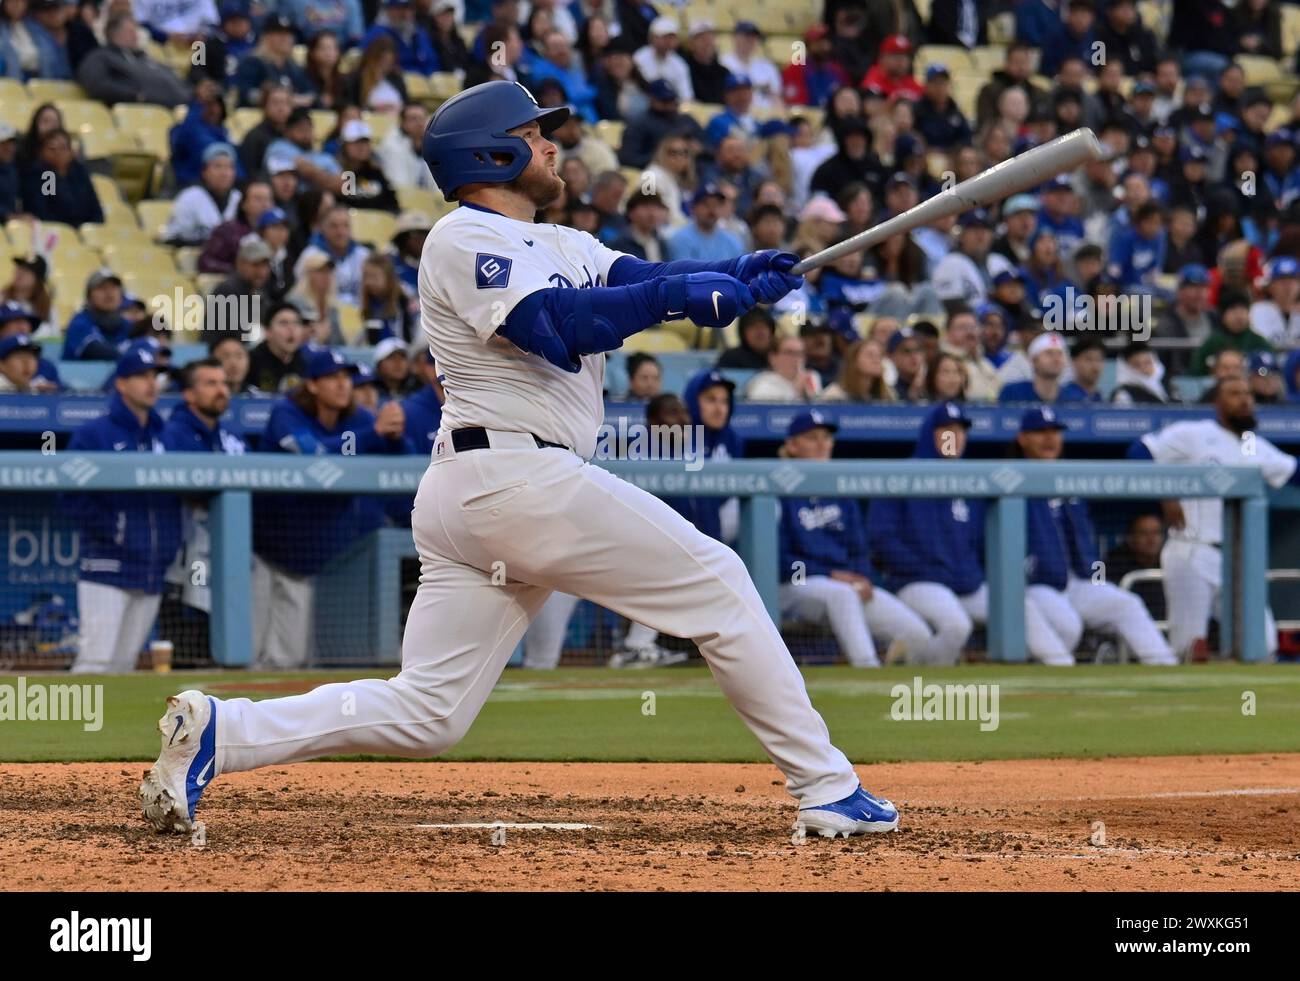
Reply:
x=1062, y=555
x=826, y=571
x=931, y=552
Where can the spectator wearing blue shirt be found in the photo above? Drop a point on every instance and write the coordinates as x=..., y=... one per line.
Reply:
x=1048, y=355
x=1059, y=214
x=1281, y=176
x=560, y=62
x=701, y=238
x=937, y=117
x=204, y=124
x=41, y=30
x=17, y=320
x=1043, y=273
x=310, y=17
x=229, y=43
x=738, y=97
x=320, y=418
x=1068, y=37
x=272, y=61
x=414, y=48
x=826, y=571
x=128, y=539
x=423, y=409
x=98, y=331
x=1137, y=252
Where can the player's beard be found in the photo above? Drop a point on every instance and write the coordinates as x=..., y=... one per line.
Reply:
x=1242, y=424
x=539, y=186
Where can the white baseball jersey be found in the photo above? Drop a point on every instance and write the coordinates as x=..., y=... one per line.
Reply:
x=476, y=266
x=1204, y=442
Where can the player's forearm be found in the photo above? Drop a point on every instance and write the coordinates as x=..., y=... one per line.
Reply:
x=629, y=269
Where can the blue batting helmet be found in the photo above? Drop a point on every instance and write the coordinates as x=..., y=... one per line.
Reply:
x=469, y=134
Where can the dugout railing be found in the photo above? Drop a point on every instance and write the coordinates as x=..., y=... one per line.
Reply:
x=229, y=483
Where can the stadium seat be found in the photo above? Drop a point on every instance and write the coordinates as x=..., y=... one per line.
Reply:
x=1152, y=13
x=138, y=172
x=349, y=322
x=323, y=122
x=418, y=88
x=239, y=122
x=1290, y=28
x=654, y=341
x=375, y=227
x=17, y=110
x=187, y=259
x=153, y=216
x=1259, y=70
x=986, y=58
x=52, y=234
x=84, y=115
x=147, y=283
x=149, y=124
x=206, y=281
x=139, y=258
x=381, y=123
x=418, y=199
x=610, y=132
x=108, y=236
x=956, y=58
x=52, y=90
x=693, y=336
x=99, y=144
x=702, y=112
x=443, y=85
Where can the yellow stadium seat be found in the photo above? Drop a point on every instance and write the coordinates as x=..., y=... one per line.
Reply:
x=132, y=116
x=323, y=122
x=187, y=259
x=966, y=91
x=1153, y=17
x=923, y=9
x=153, y=216
x=986, y=58
x=418, y=199
x=239, y=122
x=1259, y=70
x=654, y=341
x=52, y=90
x=105, y=188
x=81, y=115
x=380, y=124
x=417, y=86
x=141, y=259
x=693, y=336
x=206, y=281
x=371, y=226
x=443, y=85
x=702, y=112
x=349, y=322
x=97, y=144
x=300, y=55
x=51, y=234
x=117, y=213
x=780, y=48
x=107, y=236
x=610, y=132
x=136, y=173
x=69, y=271
x=1290, y=28
x=147, y=283
x=957, y=58
x=17, y=112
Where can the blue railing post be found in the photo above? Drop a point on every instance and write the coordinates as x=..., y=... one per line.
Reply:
x=1252, y=567
x=230, y=517
x=1004, y=564
x=1228, y=608
x=759, y=548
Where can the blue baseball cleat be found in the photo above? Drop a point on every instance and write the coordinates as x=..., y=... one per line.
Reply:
x=857, y=814
x=171, y=790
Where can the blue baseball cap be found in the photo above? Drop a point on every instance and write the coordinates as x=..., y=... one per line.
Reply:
x=736, y=81
x=137, y=360
x=716, y=378
x=272, y=216
x=1061, y=182
x=708, y=190
x=952, y=414
x=214, y=150
x=811, y=419
x=1009, y=276
x=897, y=338
x=663, y=91
x=364, y=375
x=1279, y=267
x=232, y=9
x=976, y=218
x=324, y=361
x=1144, y=88
x=1193, y=274
x=988, y=309
x=747, y=27
x=1038, y=419
x=24, y=341
x=937, y=71
x=15, y=311
x=1019, y=203
x=1188, y=154
x=1263, y=363
x=1280, y=137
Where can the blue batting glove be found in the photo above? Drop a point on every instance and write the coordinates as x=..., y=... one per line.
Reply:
x=767, y=260
x=710, y=299
x=768, y=287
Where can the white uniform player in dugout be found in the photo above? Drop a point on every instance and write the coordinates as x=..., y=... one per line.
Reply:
x=519, y=316
x=1191, y=560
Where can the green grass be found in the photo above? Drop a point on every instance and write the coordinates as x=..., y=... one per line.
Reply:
x=596, y=714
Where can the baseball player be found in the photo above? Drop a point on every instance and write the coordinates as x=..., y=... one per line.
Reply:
x=1062, y=552
x=1190, y=559
x=519, y=317
x=826, y=569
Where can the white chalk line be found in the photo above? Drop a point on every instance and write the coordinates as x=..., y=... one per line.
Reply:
x=1173, y=794
x=516, y=826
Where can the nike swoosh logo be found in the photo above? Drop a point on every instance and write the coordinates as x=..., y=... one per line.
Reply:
x=674, y=313
x=716, y=294
x=180, y=721
x=204, y=775
x=528, y=242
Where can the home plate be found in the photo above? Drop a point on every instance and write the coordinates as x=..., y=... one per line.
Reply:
x=526, y=826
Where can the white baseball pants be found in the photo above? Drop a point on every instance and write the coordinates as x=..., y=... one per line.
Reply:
x=1052, y=629
x=1193, y=574
x=822, y=599
x=544, y=639
x=535, y=521
x=114, y=624
x=1104, y=606
x=283, y=617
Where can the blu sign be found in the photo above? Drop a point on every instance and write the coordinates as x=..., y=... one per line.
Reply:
x=40, y=557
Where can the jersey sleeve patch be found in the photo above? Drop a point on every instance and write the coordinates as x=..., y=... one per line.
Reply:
x=491, y=271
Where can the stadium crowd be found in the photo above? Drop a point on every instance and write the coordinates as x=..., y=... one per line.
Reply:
x=297, y=196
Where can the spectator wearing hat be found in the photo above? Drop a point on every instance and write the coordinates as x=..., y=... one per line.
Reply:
x=362, y=182
x=277, y=364
x=1062, y=560
x=9, y=181
x=854, y=161
x=295, y=150
x=1233, y=332
x=58, y=186
x=659, y=60
x=820, y=356
x=226, y=43
x=1125, y=39
x=620, y=92
x=892, y=74
x=962, y=275
x=273, y=229
x=276, y=101
x=736, y=118
x=393, y=374
x=439, y=20
x=244, y=294
x=746, y=58
x=320, y=417
x=98, y=331
x=1281, y=176
x=128, y=539
x=787, y=378
x=343, y=18
x=1276, y=315
x=1265, y=377
x=826, y=571
x=1049, y=357
x=272, y=61
x=708, y=74
x=405, y=250
x=200, y=208
x=701, y=238
x=1139, y=377
x=1019, y=221
x=1191, y=187
x=756, y=329
x=811, y=82
x=647, y=217
x=20, y=360
x=368, y=391
x=204, y=126
x=120, y=72
x=645, y=134
x=1070, y=36
x=315, y=296
x=219, y=250
x=1188, y=317
x=1059, y=214
x=334, y=241
x=1137, y=251
x=937, y=117
x=17, y=320
x=415, y=51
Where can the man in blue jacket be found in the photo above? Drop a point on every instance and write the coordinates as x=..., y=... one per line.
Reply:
x=294, y=538
x=423, y=410
x=414, y=49
x=195, y=427
x=931, y=550
x=826, y=571
x=128, y=539
x=1062, y=557
x=98, y=331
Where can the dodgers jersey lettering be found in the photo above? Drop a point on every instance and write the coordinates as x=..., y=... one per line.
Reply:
x=476, y=266
x=1205, y=441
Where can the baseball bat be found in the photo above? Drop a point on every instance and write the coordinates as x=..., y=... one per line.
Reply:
x=1000, y=181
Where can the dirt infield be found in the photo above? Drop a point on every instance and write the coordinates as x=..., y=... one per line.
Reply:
x=1170, y=823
